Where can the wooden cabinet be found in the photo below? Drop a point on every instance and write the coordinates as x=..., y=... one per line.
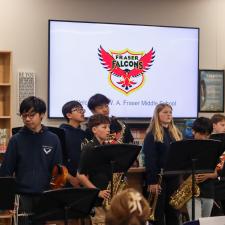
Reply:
x=5, y=98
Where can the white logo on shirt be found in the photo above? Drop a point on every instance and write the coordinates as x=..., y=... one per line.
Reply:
x=47, y=149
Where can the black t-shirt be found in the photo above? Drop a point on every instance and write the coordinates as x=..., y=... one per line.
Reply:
x=99, y=175
x=207, y=188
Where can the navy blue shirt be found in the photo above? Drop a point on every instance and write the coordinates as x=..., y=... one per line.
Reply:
x=74, y=137
x=155, y=153
x=31, y=157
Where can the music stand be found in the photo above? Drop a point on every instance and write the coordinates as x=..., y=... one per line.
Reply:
x=64, y=204
x=220, y=137
x=220, y=183
x=119, y=156
x=191, y=157
x=7, y=193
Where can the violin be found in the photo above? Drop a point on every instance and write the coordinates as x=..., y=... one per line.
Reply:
x=59, y=176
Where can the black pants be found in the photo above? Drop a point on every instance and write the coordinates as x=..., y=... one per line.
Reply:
x=223, y=206
x=166, y=214
x=27, y=205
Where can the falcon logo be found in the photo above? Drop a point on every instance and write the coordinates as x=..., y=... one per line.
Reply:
x=126, y=68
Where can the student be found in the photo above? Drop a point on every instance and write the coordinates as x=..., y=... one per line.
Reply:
x=202, y=128
x=160, y=133
x=99, y=104
x=129, y=207
x=218, y=121
x=31, y=155
x=73, y=112
x=96, y=177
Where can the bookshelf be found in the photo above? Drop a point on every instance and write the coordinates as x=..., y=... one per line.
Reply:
x=5, y=98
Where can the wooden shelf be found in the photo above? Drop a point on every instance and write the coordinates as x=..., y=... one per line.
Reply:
x=5, y=67
x=5, y=117
x=136, y=170
x=5, y=84
x=5, y=101
x=5, y=95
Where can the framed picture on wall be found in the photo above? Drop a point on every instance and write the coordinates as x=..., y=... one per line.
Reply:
x=211, y=91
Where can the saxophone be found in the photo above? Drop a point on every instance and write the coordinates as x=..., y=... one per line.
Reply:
x=184, y=193
x=122, y=132
x=152, y=200
x=119, y=184
x=117, y=136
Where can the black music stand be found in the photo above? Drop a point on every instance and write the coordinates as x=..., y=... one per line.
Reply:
x=64, y=204
x=191, y=157
x=120, y=157
x=7, y=193
x=220, y=137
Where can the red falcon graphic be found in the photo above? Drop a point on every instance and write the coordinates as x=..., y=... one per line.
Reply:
x=109, y=63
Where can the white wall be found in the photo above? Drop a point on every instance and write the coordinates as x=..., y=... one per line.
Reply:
x=24, y=29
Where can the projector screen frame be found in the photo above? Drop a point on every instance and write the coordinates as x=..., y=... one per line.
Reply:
x=132, y=120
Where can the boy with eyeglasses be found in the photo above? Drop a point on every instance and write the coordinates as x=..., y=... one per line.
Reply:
x=31, y=155
x=73, y=112
x=99, y=104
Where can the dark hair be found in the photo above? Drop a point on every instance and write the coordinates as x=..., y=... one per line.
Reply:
x=36, y=104
x=216, y=118
x=115, y=126
x=202, y=125
x=67, y=107
x=97, y=100
x=96, y=120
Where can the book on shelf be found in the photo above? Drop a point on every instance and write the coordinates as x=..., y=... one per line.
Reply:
x=4, y=138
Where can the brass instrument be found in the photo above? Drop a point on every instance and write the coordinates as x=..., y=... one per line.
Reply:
x=116, y=136
x=122, y=132
x=152, y=200
x=220, y=165
x=184, y=193
x=119, y=184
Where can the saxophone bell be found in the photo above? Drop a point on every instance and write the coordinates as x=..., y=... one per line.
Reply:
x=119, y=184
x=184, y=193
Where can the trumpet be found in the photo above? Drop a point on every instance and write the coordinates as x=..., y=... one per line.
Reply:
x=153, y=199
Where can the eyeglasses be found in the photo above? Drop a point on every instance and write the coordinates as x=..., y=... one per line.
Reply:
x=79, y=110
x=29, y=115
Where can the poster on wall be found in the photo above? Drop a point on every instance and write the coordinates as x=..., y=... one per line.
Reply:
x=26, y=85
x=211, y=91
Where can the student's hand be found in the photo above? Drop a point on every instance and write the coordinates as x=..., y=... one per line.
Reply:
x=73, y=180
x=105, y=194
x=154, y=188
x=202, y=177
